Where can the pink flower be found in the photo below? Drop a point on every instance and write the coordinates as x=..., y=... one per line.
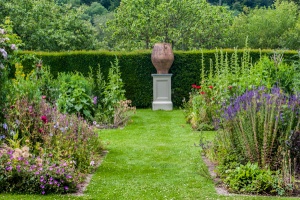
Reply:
x=44, y=118
x=44, y=97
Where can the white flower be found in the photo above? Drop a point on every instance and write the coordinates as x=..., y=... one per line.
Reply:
x=13, y=47
x=4, y=53
x=92, y=163
x=25, y=149
x=2, y=31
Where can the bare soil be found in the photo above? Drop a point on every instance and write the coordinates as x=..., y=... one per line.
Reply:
x=219, y=186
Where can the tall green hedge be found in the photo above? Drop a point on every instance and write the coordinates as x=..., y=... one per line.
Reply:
x=136, y=68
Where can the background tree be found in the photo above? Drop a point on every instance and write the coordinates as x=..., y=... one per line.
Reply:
x=45, y=25
x=241, y=3
x=265, y=27
x=140, y=23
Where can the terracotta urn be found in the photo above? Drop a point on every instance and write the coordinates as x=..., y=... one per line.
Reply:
x=162, y=57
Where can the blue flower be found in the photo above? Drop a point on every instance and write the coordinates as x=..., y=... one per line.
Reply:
x=5, y=126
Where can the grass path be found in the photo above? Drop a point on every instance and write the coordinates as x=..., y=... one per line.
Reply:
x=154, y=157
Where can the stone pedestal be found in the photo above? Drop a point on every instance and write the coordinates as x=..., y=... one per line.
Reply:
x=162, y=92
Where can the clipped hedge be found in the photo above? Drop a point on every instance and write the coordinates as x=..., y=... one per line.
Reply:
x=136, y=68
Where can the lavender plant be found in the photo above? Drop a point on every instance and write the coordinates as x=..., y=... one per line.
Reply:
x=259, y=122
x=259, y=126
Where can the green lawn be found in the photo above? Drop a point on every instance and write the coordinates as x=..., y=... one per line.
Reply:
x=154, y=157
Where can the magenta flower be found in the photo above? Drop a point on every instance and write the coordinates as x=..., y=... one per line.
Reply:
x=68, y=176
x=44, y=119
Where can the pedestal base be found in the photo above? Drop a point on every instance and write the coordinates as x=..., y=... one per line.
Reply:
x=162, y=92
x=162, y=105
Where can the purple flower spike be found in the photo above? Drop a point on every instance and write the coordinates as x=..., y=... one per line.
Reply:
x=95, y=100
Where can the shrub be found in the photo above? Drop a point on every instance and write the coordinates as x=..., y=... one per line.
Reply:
x=250, y=178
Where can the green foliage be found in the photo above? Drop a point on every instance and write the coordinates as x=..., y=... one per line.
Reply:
x=95, y=9
x=273, y=27
x=137, y=68
x=9, y=43
x=140, y=24
x=75, y=95
x=296, y=80
x=33, y=21
x=113, y=94
x=232, y=76
x=235, y=4
x=24, y=86
x=250, y=178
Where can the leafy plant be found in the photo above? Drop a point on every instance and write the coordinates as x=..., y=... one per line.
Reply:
x=250, y=178
x=113, y=94
x=75, y=95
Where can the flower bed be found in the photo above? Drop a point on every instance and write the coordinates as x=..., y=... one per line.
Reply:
x=48, y=133
x=255, y=110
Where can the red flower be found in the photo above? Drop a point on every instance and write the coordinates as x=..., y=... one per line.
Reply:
x=202, y=92
x=211, y=87
x=229, y=87
x=194, y=86
x=198, y=87
x=44, y=119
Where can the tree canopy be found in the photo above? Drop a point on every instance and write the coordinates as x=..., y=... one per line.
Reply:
x=45, y=25
x=187, y=24
x=60, y=25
